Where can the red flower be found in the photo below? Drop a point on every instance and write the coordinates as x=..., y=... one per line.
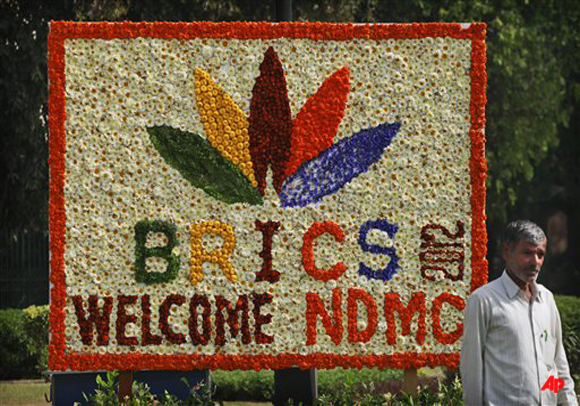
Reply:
x=315, y=231
x=454, y=300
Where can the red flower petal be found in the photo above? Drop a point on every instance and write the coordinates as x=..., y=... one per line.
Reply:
x=314, y=127
x=270, y=123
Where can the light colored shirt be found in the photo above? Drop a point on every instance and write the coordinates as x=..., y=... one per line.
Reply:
x=511, y=346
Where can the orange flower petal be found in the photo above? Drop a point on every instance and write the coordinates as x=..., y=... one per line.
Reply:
x=314, y=127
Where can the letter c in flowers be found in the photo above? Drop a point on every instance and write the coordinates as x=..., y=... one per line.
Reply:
x=315, y=231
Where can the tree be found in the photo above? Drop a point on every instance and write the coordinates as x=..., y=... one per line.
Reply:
x=533, y=90
x=532, y=111
x=23, y=112
x=24, y=88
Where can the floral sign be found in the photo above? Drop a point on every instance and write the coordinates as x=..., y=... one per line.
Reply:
x=256, y=195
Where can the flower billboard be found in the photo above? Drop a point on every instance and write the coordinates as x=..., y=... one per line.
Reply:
x=258, y=195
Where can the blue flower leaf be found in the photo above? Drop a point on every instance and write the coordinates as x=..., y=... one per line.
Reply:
x=333, y=168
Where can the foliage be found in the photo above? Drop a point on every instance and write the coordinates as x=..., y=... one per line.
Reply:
x=332, y=381
x=569, y=308
x=337, y=387
x=37, y=328
x=23, y=342
x=259, y=385
x=243, y=385
x=106, y=394
x=533, y=116
x=23, y=110
x=368, y=395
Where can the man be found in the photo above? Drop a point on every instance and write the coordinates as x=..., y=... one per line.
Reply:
x=512, y=340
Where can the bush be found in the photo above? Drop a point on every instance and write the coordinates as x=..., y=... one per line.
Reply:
x=257, y=386
x=569, y=307
x=351, y=382
x=23, y=342
x=429, y=393
x=106, y=394
x=349, y=387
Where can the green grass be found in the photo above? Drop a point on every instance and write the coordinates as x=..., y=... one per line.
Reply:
x=23, y=393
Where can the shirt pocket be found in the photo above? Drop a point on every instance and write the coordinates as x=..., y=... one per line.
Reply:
x=548, y=347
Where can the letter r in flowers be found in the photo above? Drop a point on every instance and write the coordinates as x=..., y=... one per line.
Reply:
x=220, y=256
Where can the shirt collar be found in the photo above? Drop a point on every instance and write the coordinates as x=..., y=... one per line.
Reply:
x=512, y=289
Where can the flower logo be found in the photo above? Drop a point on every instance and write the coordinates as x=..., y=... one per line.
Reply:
x=231, y=163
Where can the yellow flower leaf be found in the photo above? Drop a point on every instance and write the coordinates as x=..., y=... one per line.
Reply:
x=225, y=123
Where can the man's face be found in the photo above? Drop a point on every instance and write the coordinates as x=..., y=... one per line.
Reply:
x=524, y=259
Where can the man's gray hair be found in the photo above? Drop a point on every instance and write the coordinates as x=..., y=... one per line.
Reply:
x=523, y=230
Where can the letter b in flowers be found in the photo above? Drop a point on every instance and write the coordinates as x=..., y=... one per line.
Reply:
x=553, y=384
x=166, y=252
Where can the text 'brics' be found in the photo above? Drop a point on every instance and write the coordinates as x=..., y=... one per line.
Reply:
x=221, y=256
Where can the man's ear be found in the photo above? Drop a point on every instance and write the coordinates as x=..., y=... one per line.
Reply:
x=505, y=249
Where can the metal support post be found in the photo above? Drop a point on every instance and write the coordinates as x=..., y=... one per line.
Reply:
x=125, y=385
x=410, y=381
x=295, y=386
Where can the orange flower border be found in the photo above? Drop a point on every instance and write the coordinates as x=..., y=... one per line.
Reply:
x=61, y=30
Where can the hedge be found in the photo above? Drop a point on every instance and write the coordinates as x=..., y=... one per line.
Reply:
x=23, y=342
x=569, y=308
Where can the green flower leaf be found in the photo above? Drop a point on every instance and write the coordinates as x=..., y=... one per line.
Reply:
x=203, y=166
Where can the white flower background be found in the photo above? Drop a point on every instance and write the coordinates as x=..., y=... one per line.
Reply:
x=115, y=89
